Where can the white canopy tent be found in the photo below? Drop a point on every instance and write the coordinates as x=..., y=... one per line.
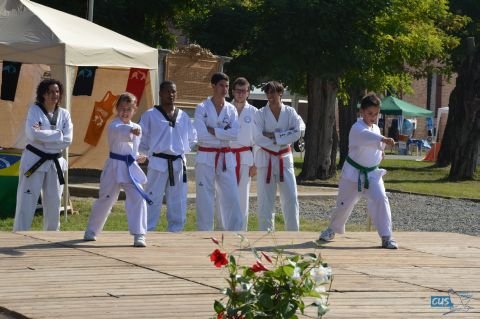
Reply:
x=31, y=33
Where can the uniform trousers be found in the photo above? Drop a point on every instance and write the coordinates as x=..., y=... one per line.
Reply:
x=28, y=192
x=268, y=192
x=217, y=186
x=243, y=195
x=157, y=187
x=135, y=207
x=377, y=204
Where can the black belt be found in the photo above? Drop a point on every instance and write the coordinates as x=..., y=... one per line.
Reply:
x=170, y=159
x=43, y=158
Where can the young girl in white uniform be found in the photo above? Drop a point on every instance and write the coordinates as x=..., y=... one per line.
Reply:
x=216, y=125
x=48, y=131
x=278, y=126
x=167, y=134
x=121, y=170
x=361, y=176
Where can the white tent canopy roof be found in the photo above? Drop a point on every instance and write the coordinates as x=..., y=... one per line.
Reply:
x=33, y=33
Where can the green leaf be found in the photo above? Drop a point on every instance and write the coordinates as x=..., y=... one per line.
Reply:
x=218, y=306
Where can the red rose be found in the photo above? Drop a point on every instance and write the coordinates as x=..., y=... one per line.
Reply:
x=219, y=258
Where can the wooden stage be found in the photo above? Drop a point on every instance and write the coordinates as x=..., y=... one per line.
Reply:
x=57, y=275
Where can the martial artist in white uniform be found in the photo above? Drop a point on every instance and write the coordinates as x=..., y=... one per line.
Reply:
x=242, y=148
x=167, y=134
x=278, y=125
x=123, y=141
x=48, y=131
x=216, y=125
x=362, y=177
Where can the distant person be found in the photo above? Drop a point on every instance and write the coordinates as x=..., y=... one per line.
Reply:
x=242, y=147
x=278, y=126
x=216, y=182
x=361, y=176
x=167, y=134
x=48, y=131
x=121, y=170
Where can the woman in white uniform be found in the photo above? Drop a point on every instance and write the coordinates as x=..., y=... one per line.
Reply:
x=278, y=125
x=48, y=131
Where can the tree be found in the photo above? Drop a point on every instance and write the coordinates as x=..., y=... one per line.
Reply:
x=450, y=151
x=315, y=45
x=147, y=21
x=464, y=116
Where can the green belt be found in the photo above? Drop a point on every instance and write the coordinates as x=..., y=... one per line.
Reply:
x=361, y=170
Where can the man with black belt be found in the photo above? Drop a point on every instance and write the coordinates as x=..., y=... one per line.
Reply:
x=48, y=131
x=168, y=134
x=216, y=182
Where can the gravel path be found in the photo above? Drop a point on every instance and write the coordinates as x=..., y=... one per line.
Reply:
x=409, y=213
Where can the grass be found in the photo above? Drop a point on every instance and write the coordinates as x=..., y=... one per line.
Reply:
x=403, y=175
x=418, y=177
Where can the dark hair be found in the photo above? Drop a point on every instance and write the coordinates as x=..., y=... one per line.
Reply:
x=219, y=76
x=126, y=97
x=166, y=84
x=241, y=81
x=371, y=99
x=43, y=87
x=273, y=86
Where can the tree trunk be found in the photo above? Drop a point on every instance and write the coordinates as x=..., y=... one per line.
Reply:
x=465, y=122
x=445, y=154
x=318, y=162
x=347, y=116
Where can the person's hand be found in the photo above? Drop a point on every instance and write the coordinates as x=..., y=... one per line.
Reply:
x=252, y=171
x=141, y=158
x=36, y=126
x=388, y=141
x=211, y=130
x=136, y=131
x=269, y=134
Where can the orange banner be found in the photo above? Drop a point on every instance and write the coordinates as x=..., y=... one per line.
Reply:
x=101, y=112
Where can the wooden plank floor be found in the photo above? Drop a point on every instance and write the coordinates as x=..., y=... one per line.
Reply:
x=57, y=275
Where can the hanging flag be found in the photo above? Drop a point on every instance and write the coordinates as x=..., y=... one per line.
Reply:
x=84, y=80
x=136, y=82
x=10, y=74
x=101, y=112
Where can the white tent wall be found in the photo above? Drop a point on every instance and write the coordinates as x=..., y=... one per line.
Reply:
x=31, y=33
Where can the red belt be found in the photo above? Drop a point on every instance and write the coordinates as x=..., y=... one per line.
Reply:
x=218, y=151
x=237, y=152
x=280, y=162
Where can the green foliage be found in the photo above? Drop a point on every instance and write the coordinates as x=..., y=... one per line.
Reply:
x=147, y=21
x=275, y=286
x=369, y=43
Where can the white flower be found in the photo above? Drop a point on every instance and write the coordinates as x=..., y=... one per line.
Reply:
x=296, y=274
x=243, y=287
x=321, y=274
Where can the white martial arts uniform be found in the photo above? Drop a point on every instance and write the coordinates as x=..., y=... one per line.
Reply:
x=215, y=167
x=365, y=148
x=115, y=176
x=287, y=131
x=242, y=149
x=161, y=135
x=48, y=139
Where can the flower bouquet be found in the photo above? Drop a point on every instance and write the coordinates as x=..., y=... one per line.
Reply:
x=274, y=286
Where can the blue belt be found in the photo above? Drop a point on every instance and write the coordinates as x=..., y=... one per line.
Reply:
x=129, y=160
